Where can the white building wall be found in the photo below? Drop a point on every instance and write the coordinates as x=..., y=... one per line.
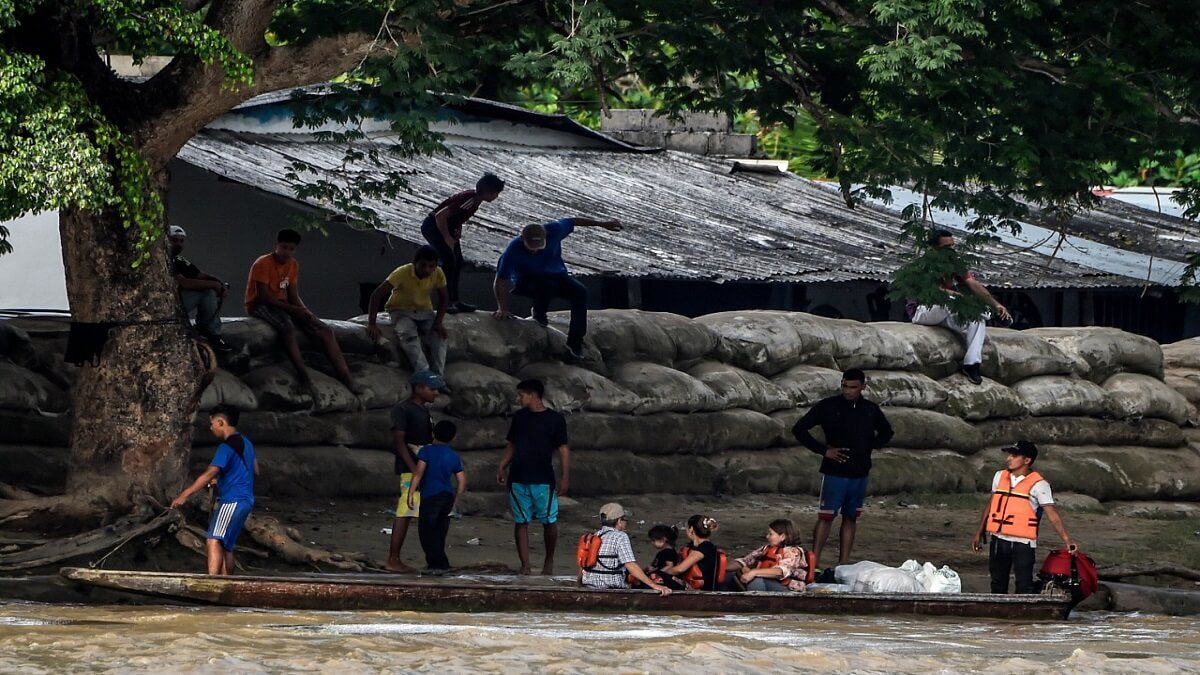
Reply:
x=32, y=276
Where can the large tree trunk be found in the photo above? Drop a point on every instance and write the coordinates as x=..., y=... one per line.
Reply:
x=132, y=429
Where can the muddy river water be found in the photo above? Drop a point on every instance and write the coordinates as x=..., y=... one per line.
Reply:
x=40, y=638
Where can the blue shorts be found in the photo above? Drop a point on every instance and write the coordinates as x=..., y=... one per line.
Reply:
x=842, y=495
x=227, y=521
x=533, y=502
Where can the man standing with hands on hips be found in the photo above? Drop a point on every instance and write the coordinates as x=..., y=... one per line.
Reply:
x=853, y=428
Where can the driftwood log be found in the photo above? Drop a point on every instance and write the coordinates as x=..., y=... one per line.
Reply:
x=1151, y=569
x=138, y=524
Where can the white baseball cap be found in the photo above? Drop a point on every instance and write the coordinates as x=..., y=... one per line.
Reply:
x=176, y=231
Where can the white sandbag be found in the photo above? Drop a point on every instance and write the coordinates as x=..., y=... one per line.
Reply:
x=1099, y=353
x=664, y=389
x=939, y=352
x=888, y=580
x=1133, y=395
x=1186, y=381
x=1066, y=395
x=934, y=580
x=250, y=336
x=571, y=388
x=227, y=389
x=805, y=385
x=737, y=388
x=975, y=402
x=849, y=574
x=480, y=391
x=925, y=429
x=899, y=388
x=862, y=345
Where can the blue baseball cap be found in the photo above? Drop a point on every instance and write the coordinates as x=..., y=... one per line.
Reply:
x=427, y=378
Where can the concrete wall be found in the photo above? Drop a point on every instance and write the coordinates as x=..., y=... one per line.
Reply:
x=32, y=276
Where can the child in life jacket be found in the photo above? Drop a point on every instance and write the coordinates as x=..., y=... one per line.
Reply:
x=780, y=565
x=662, y=538
x=703, y=565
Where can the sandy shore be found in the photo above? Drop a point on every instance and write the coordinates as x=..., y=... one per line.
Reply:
x=935, y=528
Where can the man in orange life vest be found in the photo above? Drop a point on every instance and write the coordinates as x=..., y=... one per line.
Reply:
x=1020, y=496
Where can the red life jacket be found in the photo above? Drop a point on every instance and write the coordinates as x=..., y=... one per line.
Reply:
x=1010, y=512
x=694, y=577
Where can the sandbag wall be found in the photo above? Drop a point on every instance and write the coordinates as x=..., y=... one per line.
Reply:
x=667, y=404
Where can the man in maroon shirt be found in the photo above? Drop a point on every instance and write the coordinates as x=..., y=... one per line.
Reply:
x=443, y=230
x=974, y=332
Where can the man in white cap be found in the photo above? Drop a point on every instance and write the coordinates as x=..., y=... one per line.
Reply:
x=615, y=559
x=201, y=293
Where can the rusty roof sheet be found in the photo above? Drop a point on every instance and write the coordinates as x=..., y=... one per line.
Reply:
x=686, y=216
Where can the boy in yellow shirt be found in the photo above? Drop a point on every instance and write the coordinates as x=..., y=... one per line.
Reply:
x=418, y=327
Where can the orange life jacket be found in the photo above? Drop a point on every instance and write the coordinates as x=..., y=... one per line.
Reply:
x=770, y=558
x=588, y=557
x=1010, y=512
x=694, y=577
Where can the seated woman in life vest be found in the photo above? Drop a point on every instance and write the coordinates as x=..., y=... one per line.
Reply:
x=703, y=565
x=780, y=565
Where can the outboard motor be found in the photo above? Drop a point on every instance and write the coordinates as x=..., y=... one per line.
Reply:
x=1073, y=573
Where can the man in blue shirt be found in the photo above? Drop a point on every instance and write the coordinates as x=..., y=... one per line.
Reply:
x=234, y=467
x=437, y=465
x=532, y=266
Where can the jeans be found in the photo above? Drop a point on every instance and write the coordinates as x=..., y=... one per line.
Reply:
x=433, y=524
x=972, y=333
x=451, y=258
x=1004, y=556
x=415, y=335
x=761, y=584
x=544, y=288
x=207, y=305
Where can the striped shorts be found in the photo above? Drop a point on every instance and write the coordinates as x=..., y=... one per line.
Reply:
x=227, y=521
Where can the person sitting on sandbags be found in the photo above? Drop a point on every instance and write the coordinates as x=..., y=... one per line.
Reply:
x=273, y=295
x=200, y=292
x=418, y=327
x=532, y=266
x=973, y=332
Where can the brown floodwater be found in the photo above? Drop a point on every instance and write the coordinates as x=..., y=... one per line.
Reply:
x=40, y=638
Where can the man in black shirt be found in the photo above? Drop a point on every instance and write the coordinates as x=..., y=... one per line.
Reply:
x=853, y=428
x=527, y=469
x=412, y=429
x=201, y=293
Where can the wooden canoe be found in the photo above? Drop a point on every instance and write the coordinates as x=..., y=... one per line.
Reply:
x=378, y=592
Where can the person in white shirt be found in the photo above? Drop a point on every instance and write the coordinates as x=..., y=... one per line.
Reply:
x=1020, y=496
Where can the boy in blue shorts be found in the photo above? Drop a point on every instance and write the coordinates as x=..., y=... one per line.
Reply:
x=437, y=464
x=234, y=467
x=853, y=428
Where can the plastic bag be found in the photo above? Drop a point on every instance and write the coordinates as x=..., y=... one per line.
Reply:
x=934, y=580
x=888, y=580
x=848, y=574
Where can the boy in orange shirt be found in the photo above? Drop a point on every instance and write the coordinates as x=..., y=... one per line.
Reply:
x=273, y=295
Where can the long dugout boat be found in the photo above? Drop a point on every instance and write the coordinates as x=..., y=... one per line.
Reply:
x=333, y=592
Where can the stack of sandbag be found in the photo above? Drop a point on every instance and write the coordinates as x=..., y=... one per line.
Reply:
x=911, y=577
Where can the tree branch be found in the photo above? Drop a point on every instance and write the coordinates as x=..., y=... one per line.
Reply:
x=316, y=62
x=835, y=9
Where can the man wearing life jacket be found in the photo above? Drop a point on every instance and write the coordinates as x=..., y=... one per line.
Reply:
x=605, y=556
x=1020, y=496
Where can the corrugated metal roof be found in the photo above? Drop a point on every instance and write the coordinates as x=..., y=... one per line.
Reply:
x=686, y=216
